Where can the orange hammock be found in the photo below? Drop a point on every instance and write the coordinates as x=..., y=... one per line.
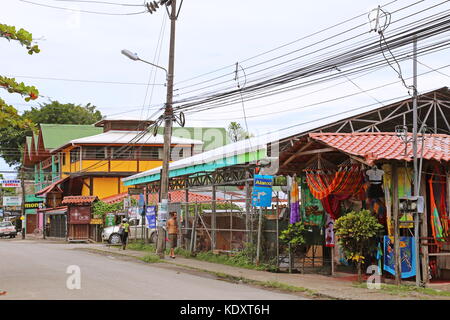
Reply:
x=346, y=181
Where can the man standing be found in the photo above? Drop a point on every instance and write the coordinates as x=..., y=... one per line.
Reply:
x=124, y=229
x=172, y=227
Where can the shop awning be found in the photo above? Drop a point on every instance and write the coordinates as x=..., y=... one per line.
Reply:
x=372, y=146
x=50, y=187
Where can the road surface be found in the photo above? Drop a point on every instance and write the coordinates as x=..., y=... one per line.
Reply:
x=38, y=270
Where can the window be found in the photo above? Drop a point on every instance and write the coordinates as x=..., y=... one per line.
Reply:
x=151, y=153
x=75, y=155
x=94, y=153
x=125, y=152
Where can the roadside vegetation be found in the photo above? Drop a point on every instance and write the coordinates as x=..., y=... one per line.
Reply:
x=407, y=290
x=241, y=259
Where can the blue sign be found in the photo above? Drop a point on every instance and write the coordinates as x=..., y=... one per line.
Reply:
x=262, y=191
x=151, y=216
x=141, y=204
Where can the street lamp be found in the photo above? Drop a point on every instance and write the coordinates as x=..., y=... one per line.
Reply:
x=135, y=57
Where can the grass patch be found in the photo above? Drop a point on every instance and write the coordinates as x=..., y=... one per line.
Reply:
x=139, y=246
x=150, y=258
x=407, y=289
x=240, y=259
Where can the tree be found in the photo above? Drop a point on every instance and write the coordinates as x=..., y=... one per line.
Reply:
x=8, y=114
x=13, y=137
x=237, y=133
x=355, y=230
x=59, y=113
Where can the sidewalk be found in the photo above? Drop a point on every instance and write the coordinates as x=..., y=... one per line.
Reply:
x=318, y=286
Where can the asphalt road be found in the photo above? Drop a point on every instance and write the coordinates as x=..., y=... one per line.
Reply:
x=36, y=270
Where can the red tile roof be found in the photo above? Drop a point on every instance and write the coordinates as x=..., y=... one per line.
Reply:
x=79, y=199
x=386, y=145
x=175, y=196
x=51, y=187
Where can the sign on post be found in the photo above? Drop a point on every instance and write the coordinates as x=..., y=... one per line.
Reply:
x=262, y=191
x=12, y=201
x=163, y=213
x=11, y=183
x=150, y=214
x=135, y=191
x=110, y=220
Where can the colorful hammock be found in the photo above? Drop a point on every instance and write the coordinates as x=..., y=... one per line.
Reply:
x=436, y=225
x=346, y=181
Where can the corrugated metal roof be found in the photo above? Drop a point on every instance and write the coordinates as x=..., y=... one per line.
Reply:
x=387, y=145
x=56, y=135
x=124, y=137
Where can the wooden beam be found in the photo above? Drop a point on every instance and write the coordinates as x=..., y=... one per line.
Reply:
x=323, y=150
x=295, y=154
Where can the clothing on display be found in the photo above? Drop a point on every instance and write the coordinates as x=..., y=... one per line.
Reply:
x=329, y=232
x=311, y=208
x=295, y=206
x=375, y=183
x=407, y=254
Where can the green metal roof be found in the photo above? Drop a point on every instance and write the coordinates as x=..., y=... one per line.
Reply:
x=57, y=135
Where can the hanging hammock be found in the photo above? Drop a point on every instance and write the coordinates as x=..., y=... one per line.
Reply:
x=347, y=181
x=436, y=225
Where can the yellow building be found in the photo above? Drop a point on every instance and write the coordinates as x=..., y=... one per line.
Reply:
x=92, y=159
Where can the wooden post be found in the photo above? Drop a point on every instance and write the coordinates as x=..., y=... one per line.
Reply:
x=424, y=232
x=193, y=231
x=186, y=212
x=213, y=220
x=258, y=245
x=396, y=224
x=248, y=195
x=278, y=230
x=231, y=223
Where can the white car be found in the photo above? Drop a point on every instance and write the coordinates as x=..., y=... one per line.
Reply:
x=7, y=229
x=111, y=234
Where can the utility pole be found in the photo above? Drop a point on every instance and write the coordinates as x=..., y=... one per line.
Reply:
x=168, y=119
x=416, y=171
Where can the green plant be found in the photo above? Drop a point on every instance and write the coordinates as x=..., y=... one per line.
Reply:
x=101, y=208
x=22, y=36
x=355, y=230
x=293, y=235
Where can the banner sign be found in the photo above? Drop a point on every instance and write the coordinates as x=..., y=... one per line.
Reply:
x=79, y=215
x=407, y=253
x=11, y=183
x=150, y=214
x=262, y=191
x=96, y=221
x=12, y=201
x=34, y=205
x=135, y=191
x=110, y=220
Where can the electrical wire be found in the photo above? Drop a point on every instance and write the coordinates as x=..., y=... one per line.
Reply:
x=83, y=11
x=282, y=46
x=87, y=81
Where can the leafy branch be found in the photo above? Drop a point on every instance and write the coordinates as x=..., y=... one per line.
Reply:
x=24, y=37
x=12, y=86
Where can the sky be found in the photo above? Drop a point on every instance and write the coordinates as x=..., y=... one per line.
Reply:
x=211, y=35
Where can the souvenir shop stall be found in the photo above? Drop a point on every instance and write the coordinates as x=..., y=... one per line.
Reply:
x=336, y=173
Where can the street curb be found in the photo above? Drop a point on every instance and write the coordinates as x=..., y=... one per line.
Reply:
x=311, y=293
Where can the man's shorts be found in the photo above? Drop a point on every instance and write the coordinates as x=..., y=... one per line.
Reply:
x=172, y=241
